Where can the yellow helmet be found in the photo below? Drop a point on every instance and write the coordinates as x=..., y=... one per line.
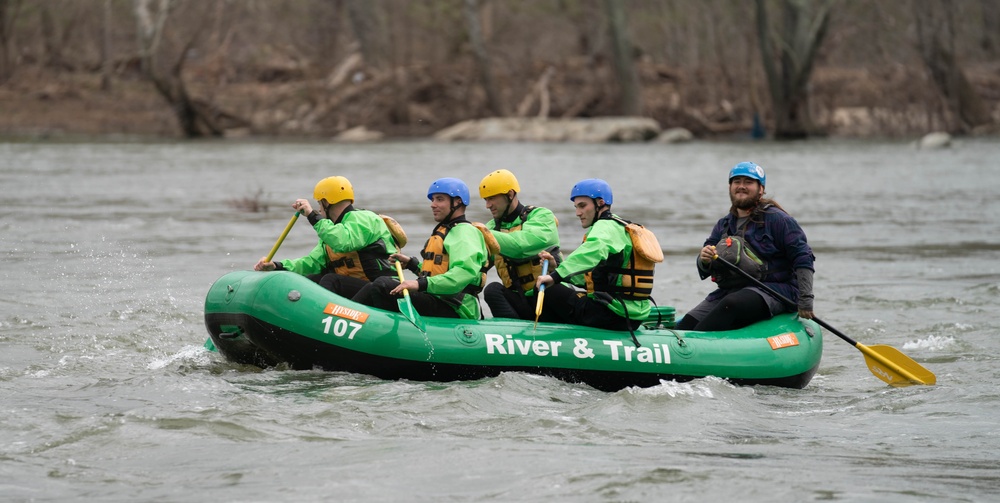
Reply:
x=334, y=189
x=500, y=181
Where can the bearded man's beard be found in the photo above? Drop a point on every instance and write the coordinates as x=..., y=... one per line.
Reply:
x=748, y=202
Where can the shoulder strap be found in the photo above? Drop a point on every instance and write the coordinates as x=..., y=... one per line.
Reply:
x=492, y=246
x=398, y=235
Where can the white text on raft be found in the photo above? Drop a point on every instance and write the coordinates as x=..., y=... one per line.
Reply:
x=497, y=344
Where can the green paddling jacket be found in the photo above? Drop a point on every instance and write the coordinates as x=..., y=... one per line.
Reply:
x=522, y=236
x=465, y=252
x=356, y=230
x=606, y=247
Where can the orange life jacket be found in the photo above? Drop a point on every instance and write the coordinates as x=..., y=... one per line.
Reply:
x=436, y=257
x=637, y=276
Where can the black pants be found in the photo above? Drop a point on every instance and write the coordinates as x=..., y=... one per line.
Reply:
x=345, y=286
x=510, y=303
x=568, y=305
x=739, y=309
x=376, y=294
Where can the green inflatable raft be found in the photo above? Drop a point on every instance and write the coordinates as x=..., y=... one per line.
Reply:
x=269, y=318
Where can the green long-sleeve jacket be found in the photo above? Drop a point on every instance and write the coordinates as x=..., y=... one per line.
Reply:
x=466, y=249
x=603, y=239
x=354, y=230
x=538, y=232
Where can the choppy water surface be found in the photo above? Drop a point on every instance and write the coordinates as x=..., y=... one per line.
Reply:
x=109, y=248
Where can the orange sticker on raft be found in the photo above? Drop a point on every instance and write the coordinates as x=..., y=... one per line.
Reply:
x=346, y=312
x=783, y=341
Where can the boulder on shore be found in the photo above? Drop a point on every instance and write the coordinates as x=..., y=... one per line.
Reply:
x=935, y=140
x=597, y=130
x=359, y=134
x=675, y=135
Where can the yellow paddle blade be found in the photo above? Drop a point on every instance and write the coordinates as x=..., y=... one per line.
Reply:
x=895, y=368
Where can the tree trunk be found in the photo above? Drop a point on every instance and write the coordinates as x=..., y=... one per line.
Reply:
x=789, y=66
x=936, y=43
x=621, y=50
x=106, y=47
x=195, y=121
x=369, y=30
x=9, y=10
x=483, y=65
x=991, y=26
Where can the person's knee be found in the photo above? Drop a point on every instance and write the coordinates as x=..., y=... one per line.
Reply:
x=688, y=322
x=384, y=284
x=377, y=288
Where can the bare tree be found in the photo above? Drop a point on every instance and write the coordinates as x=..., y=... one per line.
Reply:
x=991, y=26
x=788, y=53
x=621, y=50
x=106, y=47
x=936, y=43
x=483, y=66
x=194, y=120
x=369, y=29
x=9, y=10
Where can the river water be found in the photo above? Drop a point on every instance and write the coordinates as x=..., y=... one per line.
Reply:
x=108, y=250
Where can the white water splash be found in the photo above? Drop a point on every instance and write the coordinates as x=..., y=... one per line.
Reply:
x=701, y=388
x=932, y=342
x=187, y=353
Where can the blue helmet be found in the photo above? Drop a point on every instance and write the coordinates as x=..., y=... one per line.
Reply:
x=450, y=186
x=593, y=188
x=749, y=170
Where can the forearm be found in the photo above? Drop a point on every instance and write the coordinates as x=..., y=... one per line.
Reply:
x=804, y=277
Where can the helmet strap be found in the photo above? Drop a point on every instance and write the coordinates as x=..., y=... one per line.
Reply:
x=510, y=205
x=454, y=207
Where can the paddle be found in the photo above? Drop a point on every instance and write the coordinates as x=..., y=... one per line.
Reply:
x=406, y=305
x=886, y=362
x=209, y=345
x=281, y=238
x=541, y=294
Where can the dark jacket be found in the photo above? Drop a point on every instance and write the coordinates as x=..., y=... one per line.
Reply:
x=777, y=239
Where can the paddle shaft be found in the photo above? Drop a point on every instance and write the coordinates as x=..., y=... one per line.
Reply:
x=406, y=293
x=281, y=238
x=786, y=300
x=868, y=352
x=541, y=294
x=541, y=291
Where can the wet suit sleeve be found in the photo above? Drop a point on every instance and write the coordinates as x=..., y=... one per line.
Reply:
x=538, y=233
x=310, y=264
x=602, y=241
x=357, y=230
x=466, y=257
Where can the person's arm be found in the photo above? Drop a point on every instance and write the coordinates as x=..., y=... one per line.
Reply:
x=309, y=264
x=538, y=233
x=355, y=231
x=705, y=268
x=805, y=279
x=601, y=242
x=801, y=257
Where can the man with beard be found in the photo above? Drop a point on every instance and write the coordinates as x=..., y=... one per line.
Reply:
x=763, y=240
